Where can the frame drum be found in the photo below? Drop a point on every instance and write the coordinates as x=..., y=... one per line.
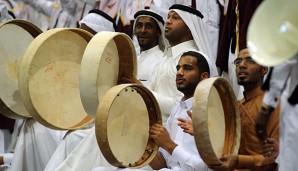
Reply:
x=216, y=120
x=49, y=78
x=15, y=37
x=108, y=56
x=122, y=124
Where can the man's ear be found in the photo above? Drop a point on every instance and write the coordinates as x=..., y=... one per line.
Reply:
x=264, y=70
x=204, y=75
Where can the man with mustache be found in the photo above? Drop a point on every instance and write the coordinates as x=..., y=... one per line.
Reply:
x=148, y=28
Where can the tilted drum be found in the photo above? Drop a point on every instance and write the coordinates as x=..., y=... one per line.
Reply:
x=49, y=78
x=15, y=37
x=216, y=120
x=122, y=122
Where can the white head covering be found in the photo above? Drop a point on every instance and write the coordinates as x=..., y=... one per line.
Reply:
x=4, y=15
x=163, y=42
x=193, y=20
x=99, y=21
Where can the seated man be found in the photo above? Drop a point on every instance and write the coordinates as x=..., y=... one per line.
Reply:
x=250, y=157
x=178, y=150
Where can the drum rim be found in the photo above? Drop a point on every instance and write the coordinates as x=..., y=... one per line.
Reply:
x=34, y=31
x=91, y=64
x=230, y=106
x=101, y=125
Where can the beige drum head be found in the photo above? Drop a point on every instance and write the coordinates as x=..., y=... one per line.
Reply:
x=15, y=37
x=273, y=43
x=108, y=56
x=49, y=78
x=216, y=120
x=122, y=122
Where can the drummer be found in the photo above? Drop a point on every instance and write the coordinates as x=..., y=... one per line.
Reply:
x=177, y=150
x=250, y=75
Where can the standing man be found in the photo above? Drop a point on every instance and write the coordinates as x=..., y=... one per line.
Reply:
x=185, y=31
x=149, y=31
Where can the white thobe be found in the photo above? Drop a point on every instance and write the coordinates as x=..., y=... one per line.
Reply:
x=35, y=146
x=185, y=156
x=163, y=84
x=285, y=74
x=71, y=140
x=147, y=63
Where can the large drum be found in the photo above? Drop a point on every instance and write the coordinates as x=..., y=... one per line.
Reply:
x=49, y=78
x=123, y=119
x=108, y=56
x=15, y=37
x=216, y=120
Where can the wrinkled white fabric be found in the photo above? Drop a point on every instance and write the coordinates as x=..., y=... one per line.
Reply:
x=200, y=36
x=4, y=16
x=71, y=140
x=35, y=146
x=97, y=22
x=147, y=63
x=85, y=156
x=285, y=74
x=185, y=156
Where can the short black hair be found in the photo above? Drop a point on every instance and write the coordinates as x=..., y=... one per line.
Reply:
x=202, y=63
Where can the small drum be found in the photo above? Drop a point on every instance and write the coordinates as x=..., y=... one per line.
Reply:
x=122, y=122
x=15, y=37
x=49, y=78
x=216, y=120
x=108, y=56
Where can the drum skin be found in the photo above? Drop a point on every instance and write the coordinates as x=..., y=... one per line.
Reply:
x=122, y=122
x=15, y=37
x=49, y=78
x=216, y=120
x=108, y=57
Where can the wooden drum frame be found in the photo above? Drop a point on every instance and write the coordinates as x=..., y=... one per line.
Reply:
x=216, y=120
x=15, y=37
x=122, y=122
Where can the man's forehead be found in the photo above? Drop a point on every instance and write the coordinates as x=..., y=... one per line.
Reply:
x=146, y=18
x=244, y=53
x=172, y=12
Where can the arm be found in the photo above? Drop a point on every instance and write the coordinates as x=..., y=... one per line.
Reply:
x=158, y=162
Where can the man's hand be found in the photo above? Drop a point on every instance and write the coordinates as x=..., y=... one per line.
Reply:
x=162, y=138
x=271, y=148
x=186, y=125
x=229, y=162
x=262, y=120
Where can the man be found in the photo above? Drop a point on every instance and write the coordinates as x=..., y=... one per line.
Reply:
x=94, y=22
x=149, y=31
x=178, y=150
x=250, y=157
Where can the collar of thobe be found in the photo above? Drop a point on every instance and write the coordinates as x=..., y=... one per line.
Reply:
x=186, y=104
x=150, y=51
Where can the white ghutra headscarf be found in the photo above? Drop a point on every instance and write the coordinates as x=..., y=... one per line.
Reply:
x=193, y=20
